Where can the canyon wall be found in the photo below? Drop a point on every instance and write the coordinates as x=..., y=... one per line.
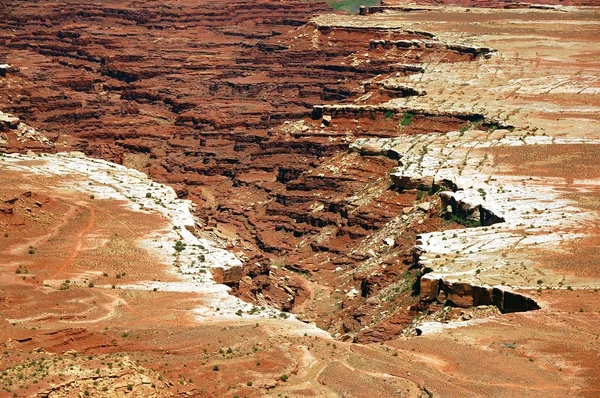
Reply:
x=200, y=96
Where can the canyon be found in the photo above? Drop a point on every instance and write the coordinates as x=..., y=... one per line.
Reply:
x=274, y=199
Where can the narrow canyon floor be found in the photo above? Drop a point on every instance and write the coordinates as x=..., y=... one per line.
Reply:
x=273, y=199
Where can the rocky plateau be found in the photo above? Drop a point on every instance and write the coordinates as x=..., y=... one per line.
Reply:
x=271, y=198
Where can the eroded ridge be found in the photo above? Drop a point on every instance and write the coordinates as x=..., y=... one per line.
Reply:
x=517, y=218
x=521, y=214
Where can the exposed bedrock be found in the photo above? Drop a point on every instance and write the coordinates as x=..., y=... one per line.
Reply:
x=465, y=295
x=474, y=51
x=16, y=136
x=492, y=263
x=198, y=96
x=253, y=113
x=8, y=121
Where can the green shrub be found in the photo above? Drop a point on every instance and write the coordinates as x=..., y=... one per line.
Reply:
x=179, y=246
x=407, y=119
x=351, y=6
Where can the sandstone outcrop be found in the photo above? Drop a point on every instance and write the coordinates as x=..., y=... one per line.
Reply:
x=253, y=124
x=8, y=121
x=227, y=275
x=417, y=171
x=209, y=117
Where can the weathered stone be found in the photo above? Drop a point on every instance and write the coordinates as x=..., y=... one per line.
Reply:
x=429, y=286
x=461, y=294
x=398, y=151
x=352, y=293
x=406, y=181
x=425, y=206
x=317, y=112
x=227, y=275
x=373, y=149
x=442, y=297
x=9, y=121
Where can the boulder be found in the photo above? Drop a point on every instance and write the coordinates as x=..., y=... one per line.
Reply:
x=227, y=275
x=4, y=68
x=405, y=181
x=425, y=206
x=8, y=120
x=429, y=287
x=373, y=149
x=317, y=112
x=352, y=293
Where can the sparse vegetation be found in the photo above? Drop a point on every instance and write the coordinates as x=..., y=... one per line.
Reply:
x=179, y=246
x=465, y=128
x=463, y=221
x=351, y=6
x=407, y=119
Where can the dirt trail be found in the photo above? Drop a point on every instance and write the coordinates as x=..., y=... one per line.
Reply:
x=79, y=243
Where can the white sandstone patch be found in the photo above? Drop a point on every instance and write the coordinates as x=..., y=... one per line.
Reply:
x=530, y=214
x=191, y=263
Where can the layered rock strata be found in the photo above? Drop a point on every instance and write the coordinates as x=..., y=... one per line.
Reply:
x=262, y=147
